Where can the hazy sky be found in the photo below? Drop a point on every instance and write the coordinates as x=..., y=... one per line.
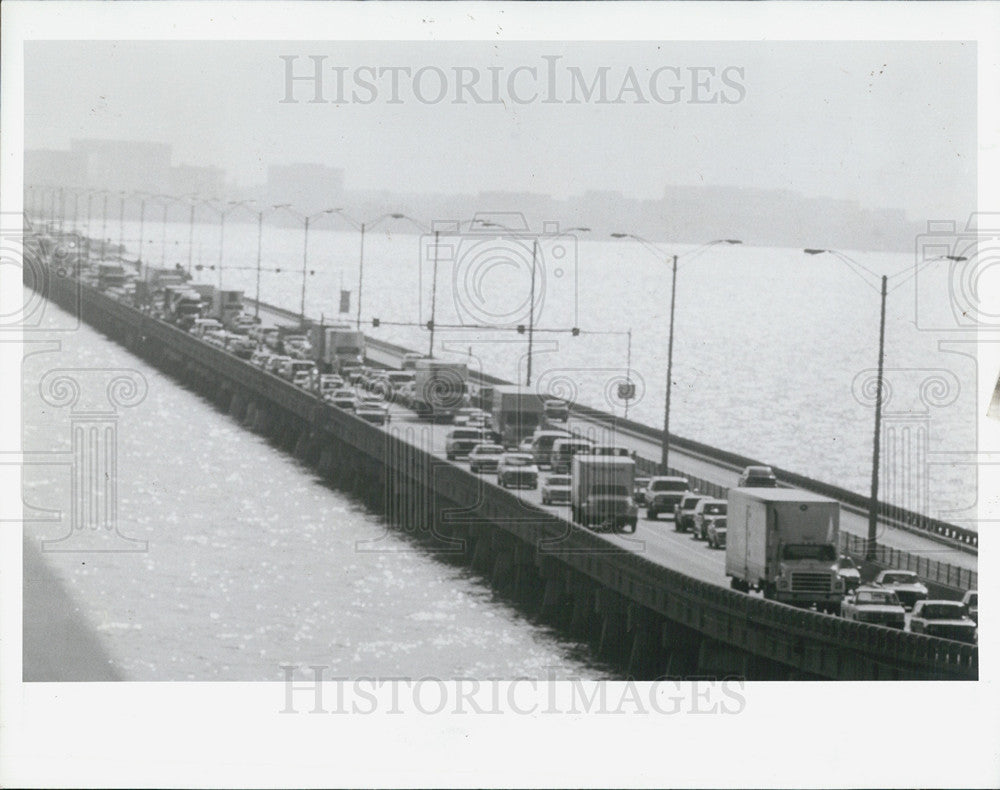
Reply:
x=887, y=124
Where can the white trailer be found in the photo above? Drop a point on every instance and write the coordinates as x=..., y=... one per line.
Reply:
x=602, y=492
x=784, y=542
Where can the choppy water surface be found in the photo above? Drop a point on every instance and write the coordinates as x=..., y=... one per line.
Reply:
x=771, y=345
x=252, y=562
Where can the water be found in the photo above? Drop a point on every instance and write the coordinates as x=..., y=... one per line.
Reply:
x=252, y=562
x=768, y=342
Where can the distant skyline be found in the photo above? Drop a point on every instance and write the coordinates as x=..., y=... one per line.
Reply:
x=889, y=125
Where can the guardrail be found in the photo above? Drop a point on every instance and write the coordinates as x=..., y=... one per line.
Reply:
x=818, y=644
x=943, y=573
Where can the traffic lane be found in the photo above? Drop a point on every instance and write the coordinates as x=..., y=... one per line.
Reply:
x=850, y=520
x=656, y=539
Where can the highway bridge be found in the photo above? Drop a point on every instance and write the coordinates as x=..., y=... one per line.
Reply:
x=655, y=602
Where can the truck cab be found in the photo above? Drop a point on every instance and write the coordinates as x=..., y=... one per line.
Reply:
x=601, y=492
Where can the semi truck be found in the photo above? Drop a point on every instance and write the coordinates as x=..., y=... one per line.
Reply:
x=337, y=346
x=784, y=542
x=516, y=413
x=601, y=492
x=439, y=388
x=223, y=305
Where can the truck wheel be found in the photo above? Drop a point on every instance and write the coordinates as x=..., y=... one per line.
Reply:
x=651, y=514
x=632, y=525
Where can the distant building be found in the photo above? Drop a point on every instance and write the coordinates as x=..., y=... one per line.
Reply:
x=46, y=167
x=205, y=182
x=308, y=187
x=125, y=165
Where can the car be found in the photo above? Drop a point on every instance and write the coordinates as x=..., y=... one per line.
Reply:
x=556, y=490
x=906, y=585
x=971, y=603
x=848, y=572
x=301, y=378
x=563, y=451
x=409, y=361
x=640, y=490
x=556, y=409
x=524, y=446
x=517, y=470
x=757, y=477
x=461, y=441
x=275, y=362
x=684, y=511
x=717, y=533
x=663, y=493
x=405, y=393
x=944, y=619
x=464, y=414
x=259, y=358
x=485, y=457
x=330, y=382
x=372, y=410
x=705, y=512
x=878, y=605
x=541, y=445
x=343, y=399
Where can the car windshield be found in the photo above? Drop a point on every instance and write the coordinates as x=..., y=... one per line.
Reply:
x=715, y=509
x=466, y=435
x=942, y=611
x=973, y=599
x=808, y=551
x=621, y=451
x=669, y=485
x=899, y=578
x=879, y=597
x=488, y=449
x=558, y=480
x=573, y=448
x=519, y=460
x=608, y=489
x=846, y=562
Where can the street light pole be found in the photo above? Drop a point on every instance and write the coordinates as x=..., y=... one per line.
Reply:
x=104, y=225
x=260, y=231
x=628, y=371
x=531, y=309
x=665, y=452
x=163, y=239
x=121, y=226
x=361, y=273
x=305, y=258
x=142, y=228
x=191, y=234
x=434, y=285
x=873, y=504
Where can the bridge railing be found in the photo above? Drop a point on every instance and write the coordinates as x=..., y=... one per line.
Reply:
x=816, y=642
x=928, y=569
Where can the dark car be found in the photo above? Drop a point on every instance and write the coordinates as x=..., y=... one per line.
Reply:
x=757, y=477
x=563, y=451
x=944, y=619
x=557, y=410
x=684, y=512
x=461, y=441
x=705, y=512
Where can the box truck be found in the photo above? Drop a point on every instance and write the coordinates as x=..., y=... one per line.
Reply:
x=337, y=346
x=601, y=492
x=783, y=542
x=517, y=412
x=439, y=389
